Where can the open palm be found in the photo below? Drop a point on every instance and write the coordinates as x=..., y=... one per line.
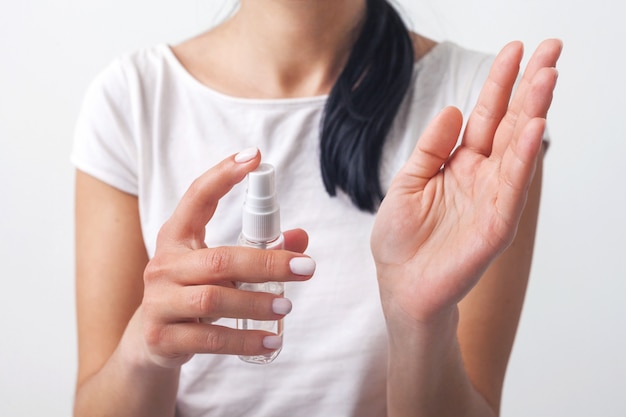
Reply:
x=446, y=217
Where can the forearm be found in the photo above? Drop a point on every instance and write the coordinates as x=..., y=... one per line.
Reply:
x=125, y=386
x=426, y=374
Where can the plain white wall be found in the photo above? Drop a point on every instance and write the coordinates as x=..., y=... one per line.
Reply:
x=569, y=355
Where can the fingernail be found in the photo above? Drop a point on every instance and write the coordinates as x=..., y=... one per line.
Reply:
x=281, y=306
x=246, y=155
x=272, y=342
x=302, y=266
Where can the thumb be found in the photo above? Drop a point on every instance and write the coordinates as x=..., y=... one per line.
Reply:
x=198, y=204
x=431, y=151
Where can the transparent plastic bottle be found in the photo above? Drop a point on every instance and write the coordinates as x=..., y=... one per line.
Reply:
x=261, y=230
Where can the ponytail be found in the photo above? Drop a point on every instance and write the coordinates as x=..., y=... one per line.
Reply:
x=362, y=105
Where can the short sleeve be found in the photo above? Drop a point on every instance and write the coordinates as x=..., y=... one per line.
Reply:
x=104, y=146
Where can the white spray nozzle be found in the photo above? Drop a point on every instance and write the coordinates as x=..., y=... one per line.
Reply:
x=261, y=213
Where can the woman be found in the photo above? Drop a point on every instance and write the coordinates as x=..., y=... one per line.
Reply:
x=335, y=94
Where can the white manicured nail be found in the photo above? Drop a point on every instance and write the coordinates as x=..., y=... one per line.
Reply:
x=246, y=155
x=302, y=266
x=281, y=306
x=272, y=342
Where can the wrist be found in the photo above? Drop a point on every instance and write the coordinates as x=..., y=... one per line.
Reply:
x=404, y=329
x=407, y=310
x=138, y=385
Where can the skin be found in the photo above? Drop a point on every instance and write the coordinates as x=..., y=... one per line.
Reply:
x=451, y=273
x=439, y=231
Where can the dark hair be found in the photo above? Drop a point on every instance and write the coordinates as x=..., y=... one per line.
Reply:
x=362, y=105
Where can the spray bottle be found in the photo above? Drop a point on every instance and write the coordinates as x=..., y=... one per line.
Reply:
x=261, y=230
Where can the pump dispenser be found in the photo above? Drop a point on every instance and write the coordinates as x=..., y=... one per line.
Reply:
x=261, y=213
x=261, y=230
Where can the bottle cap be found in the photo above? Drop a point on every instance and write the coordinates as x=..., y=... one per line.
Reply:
x=261, y=212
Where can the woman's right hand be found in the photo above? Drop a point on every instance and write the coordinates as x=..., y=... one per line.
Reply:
x=188, y=286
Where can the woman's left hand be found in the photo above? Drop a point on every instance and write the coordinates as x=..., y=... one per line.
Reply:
x=446, y=218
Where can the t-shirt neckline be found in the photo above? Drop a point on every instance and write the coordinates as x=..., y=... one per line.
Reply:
x=170, y=57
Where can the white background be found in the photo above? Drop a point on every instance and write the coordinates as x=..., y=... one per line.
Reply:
x=569, y=355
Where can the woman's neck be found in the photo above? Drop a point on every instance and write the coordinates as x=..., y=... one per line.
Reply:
x=276, y=48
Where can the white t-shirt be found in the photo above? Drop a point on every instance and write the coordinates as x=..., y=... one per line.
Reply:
x=149, y=128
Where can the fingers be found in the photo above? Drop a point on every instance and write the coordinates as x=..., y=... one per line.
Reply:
x=545, y=56
x=228, y=263
x=497, y=117
x=186, y=339
x=196, y=207
x=493, y=100
x=184, y=287
x=296, y=240
x=533, y=95
x=432, y=150
x=517, y=168
x=212, y=302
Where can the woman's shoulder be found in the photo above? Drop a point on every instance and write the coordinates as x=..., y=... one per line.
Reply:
x=451, y=72
x=445, y=55
x=138, y=76
x=142, y=63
